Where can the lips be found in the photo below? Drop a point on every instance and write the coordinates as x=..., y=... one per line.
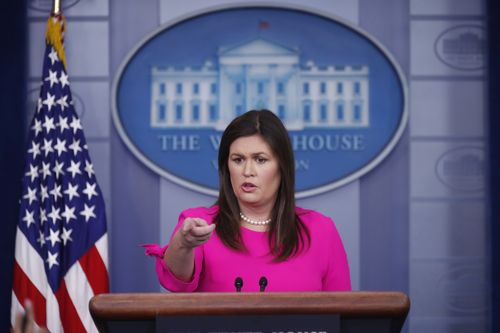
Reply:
x=248, y=187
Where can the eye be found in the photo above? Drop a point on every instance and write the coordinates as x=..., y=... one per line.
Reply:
x=237, y=160
x=261, y=160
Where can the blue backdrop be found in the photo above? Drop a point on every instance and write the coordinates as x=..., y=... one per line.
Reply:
x=138, y=200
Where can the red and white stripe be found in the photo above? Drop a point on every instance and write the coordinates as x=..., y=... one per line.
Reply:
x=67, y=310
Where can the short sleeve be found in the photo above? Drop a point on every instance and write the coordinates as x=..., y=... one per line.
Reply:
x=167, y=279
x=337, y=277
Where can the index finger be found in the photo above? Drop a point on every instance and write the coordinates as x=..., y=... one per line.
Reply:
x=199, y=222
x=204, y=230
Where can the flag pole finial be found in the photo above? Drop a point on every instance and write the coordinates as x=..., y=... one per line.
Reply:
x=57, y=7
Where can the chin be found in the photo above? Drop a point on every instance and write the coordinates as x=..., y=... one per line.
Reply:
x=248, y=198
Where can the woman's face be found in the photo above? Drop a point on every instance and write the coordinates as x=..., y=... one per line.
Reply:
x=254, y=172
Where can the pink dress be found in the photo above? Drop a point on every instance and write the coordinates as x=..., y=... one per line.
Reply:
x=322, y=266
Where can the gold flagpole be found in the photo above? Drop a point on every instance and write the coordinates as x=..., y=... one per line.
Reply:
x=57, y=7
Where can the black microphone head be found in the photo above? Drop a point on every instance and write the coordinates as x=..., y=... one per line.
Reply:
x=263, y=281
x=238, y=283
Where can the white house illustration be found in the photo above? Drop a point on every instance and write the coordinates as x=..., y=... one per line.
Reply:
x=260, y=75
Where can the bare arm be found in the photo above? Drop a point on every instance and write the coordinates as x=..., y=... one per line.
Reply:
x=179, y=256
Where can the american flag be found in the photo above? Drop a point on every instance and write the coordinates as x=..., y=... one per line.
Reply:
x=61, y=240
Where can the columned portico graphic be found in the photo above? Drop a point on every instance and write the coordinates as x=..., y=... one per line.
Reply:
x=255, y=75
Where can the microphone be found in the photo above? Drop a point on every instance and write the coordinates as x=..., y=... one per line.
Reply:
x=238, y=283
x=263, y=283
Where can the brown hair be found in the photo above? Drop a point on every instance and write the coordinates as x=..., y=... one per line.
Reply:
x=285, y=236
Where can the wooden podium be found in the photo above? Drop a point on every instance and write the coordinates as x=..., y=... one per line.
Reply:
x=357, y=311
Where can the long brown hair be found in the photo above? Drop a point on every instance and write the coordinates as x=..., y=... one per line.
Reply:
x=285, y=236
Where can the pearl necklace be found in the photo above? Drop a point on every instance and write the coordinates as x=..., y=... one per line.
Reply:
x=254, y=222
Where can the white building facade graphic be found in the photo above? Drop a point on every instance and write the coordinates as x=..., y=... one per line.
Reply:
x=260, y=75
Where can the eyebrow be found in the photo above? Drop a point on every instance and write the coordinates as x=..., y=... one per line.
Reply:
x=253, y=154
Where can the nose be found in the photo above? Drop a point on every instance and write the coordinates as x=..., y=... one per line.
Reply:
x=248, y=169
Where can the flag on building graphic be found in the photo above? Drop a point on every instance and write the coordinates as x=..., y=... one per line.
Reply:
x=61, y=239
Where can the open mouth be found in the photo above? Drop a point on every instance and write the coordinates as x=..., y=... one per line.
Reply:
x=248, y=187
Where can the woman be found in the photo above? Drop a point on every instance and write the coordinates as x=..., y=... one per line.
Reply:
x=253, y=238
